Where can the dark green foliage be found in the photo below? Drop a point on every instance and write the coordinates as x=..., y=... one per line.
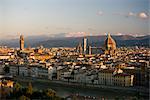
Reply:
x=28, y=93
x=23, y=98
x=37, y=95
x=29, y=89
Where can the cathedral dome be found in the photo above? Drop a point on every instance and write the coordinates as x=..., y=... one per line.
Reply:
x=110, y=43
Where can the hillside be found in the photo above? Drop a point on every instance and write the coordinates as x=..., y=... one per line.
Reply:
x=122, y=40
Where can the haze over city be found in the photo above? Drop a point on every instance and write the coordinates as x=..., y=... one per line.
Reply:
x=73, y=17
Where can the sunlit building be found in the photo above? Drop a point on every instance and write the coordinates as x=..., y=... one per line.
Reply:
x=110, y=45
x=21, y=42
x=115, y=78
x=84, y=45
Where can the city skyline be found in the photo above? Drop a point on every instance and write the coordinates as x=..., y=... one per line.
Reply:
x=73, y=17
x=57, y=72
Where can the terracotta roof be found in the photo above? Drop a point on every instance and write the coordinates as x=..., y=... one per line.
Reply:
x=110, y=42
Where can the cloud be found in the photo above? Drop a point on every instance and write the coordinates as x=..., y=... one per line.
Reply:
x=131, y=14
x=75, y=34
x=127, y=34
x=119, y=33
x=143, y=15
x=82, y=34
x=100, y=13
x=125, y=14
x=63, y=28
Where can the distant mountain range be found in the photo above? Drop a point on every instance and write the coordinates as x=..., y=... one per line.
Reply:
x=121, y=40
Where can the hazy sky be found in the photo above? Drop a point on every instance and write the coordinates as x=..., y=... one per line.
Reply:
x=38, y=17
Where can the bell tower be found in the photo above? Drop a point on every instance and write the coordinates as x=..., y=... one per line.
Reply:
x=21, y=42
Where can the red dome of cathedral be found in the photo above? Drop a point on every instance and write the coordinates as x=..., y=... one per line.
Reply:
x=110, y=43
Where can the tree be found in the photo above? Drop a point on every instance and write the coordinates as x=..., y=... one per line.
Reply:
x=17, y=87
x=36, y=95
x=23, y=98
x=135, y=98
x=116, y=98
x=17, y=91
x=50, y=93
x=29, y=89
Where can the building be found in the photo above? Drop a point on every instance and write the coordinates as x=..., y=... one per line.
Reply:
x=90, y=50
x=110, y=77
x=84, y=45
x=4, y=56
x=123, y=79
x=23, y=71
x=14, y=70
x=21, y=42
x=110, y=45
x=2, y=68
x=79, y=48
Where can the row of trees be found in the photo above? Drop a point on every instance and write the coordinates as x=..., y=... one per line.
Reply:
x=28, y=93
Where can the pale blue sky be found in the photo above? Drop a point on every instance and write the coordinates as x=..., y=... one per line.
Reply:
x=38, y=17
